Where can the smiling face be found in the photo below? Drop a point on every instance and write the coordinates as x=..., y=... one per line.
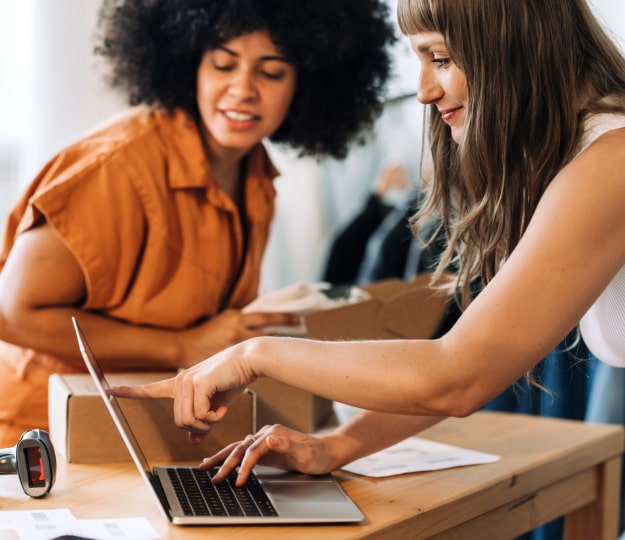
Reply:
x=441, y=82
x=244, y=91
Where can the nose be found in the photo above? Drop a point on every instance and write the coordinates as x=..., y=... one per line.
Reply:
x=243, y=86
x=428, y=88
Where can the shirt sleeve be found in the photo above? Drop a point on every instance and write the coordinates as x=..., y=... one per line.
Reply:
x=92, y=206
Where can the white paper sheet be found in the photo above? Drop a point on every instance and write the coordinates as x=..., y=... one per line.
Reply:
x=414, y=455
x=48, y=524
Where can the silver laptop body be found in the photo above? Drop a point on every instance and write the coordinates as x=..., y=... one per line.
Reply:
x=292, y=497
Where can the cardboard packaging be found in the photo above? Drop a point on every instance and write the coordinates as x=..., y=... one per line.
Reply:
x=279, y=403
x=82, y=430
x=396, y=309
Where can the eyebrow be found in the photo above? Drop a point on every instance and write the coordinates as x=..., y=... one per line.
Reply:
x=269, y=57
x=425, y=47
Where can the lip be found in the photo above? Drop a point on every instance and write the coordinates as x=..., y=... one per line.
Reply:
x=239, y=120
x=448, y=114
x=239, y=115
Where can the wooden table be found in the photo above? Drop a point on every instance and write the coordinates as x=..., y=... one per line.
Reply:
x=549, y=468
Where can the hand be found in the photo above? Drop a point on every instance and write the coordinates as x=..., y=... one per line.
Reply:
x=201, y=393
x=225, y=329
x=275, y=446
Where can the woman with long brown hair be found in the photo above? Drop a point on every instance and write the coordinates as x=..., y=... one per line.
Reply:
x=526, y=103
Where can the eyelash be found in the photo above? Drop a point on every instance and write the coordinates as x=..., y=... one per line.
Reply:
x=442, y=62
x=271, y=76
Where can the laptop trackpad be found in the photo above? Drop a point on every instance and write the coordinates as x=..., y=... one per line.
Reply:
x=310, y=492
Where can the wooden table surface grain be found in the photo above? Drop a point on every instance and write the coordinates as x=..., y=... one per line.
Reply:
x=549, y=468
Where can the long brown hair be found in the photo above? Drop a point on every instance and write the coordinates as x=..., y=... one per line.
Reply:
x=534, y=70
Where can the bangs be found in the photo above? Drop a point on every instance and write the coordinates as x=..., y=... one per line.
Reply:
x=416, y=16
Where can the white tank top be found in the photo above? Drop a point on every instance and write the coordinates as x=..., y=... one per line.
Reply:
x=603, y=325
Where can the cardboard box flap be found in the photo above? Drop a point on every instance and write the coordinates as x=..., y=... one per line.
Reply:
x=356, y=321
x=386, y=288
x=413, y=314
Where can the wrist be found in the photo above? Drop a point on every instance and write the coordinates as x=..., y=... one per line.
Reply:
x=257, y=356
x=338, y=450
x=175, y=351
x=250, y=357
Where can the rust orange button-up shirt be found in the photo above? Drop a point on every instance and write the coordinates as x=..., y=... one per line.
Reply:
x=159, y=243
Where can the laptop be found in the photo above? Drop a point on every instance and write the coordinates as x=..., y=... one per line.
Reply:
x=187, y=496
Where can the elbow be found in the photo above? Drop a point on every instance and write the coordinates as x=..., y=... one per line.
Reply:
x=6, y=317
x=456, y=387
x=457, y=402
x=13, y=319
x=463, y=405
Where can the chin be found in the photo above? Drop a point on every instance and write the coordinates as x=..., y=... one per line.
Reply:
x=456, y=135
x=231, y=143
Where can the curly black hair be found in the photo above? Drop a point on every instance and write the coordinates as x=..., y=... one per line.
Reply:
x=341, y=50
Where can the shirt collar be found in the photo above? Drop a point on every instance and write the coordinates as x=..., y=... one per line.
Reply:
x=188, y=166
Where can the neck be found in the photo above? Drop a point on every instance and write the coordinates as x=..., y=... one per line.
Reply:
x=226, y=166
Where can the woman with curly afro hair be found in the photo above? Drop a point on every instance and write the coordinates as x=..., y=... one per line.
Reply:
x=151, y=230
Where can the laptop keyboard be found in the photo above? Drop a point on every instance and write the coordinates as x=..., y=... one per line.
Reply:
x=198, y=496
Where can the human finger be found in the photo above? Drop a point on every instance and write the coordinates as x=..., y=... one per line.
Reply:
x=192, y=406
x=262, y=319
x=253, y=454
x=184, y=411
x=197, y=438
x=229, y=458
x=286, y=449
x=275, y=445
x=218, y=458
x=158, y=389
x=235, y=454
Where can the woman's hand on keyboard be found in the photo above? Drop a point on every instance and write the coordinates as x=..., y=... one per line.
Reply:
x=275, y=446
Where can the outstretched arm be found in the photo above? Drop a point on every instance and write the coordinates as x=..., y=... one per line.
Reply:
x=569, y=253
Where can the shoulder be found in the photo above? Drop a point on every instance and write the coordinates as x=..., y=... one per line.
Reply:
x=131, y=128
x=602, y=161
x=101, y=162
x=135, y=143
x=582, y=209
x=597, y=172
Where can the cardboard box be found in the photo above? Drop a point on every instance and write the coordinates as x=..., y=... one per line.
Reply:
x=82, y=430
x=396, y=309
x=279, y=403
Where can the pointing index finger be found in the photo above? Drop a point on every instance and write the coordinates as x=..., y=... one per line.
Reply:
x=158, y=389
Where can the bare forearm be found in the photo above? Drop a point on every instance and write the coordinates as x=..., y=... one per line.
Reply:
x=370, y=432
x=42, y=286
x=400, y=377
x=117, y=344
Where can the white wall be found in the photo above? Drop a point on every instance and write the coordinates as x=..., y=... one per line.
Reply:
x=69, y=96
x=612, y=13
x=50, y=89
x=15, y=91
